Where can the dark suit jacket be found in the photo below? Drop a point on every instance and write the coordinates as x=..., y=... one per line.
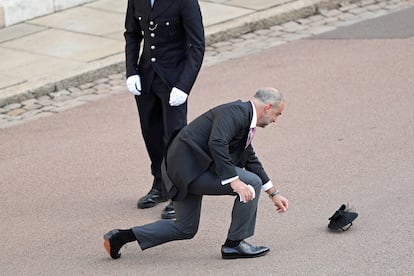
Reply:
x=214, y=141
x=174, y=43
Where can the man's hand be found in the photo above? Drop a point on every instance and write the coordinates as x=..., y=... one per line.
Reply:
x=246, y=192
x=177, y=97
x=281, y=203
x=134, y=84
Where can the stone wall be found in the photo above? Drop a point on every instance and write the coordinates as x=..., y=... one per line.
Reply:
x=16, y=11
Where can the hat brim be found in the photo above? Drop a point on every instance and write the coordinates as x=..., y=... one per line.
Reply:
x=342, y=220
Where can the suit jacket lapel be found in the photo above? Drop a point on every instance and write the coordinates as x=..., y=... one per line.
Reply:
x=250, y=110
x=247, y=108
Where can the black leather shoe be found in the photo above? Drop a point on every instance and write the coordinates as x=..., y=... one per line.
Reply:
x=168, y=212
x=243, y=250
x=151, y=199
x=112, y=245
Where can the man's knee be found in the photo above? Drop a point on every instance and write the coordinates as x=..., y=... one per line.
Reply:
x=256, y=182
x=188, y=232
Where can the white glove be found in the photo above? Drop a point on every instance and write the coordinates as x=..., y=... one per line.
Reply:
x=177, y=97
x=134, y=84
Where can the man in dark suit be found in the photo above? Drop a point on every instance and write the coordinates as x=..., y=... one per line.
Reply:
x=213, y=155
x=162, y=74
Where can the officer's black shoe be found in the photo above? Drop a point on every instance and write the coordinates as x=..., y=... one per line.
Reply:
x=168, y=212
x=151, y=199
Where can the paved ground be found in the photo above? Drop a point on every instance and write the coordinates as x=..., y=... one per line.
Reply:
x=79, y=44
x=345, y=137
x=76, y=90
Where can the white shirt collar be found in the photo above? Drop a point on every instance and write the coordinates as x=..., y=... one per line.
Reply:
x=254, y=118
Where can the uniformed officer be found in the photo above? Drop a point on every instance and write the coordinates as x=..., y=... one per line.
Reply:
x=162, y=74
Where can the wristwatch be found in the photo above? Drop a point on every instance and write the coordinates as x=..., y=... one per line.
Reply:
x=273, y=194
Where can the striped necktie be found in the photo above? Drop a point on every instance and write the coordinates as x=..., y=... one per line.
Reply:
x=252, y=131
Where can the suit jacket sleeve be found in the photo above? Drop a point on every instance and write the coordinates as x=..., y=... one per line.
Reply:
x=133, y=37
x=227, y=142
x=253, y=164
x=194, y=31
x=227, y=124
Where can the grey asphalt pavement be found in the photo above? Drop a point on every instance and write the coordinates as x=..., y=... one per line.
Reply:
x=345, y=137
x=80, y=44
x=396, y=25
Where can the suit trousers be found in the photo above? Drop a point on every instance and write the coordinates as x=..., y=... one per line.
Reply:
x=243, y=217
x=158, y=122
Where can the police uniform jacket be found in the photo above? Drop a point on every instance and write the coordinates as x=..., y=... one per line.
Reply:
x=173, y=35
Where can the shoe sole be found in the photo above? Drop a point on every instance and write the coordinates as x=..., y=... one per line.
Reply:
x=107, y=247
x=237, y=256
x=107, y=244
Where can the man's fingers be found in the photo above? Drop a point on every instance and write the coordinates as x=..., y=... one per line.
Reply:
x=280, y=207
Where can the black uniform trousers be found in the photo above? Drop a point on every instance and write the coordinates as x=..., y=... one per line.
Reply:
x=158, y=122
x=188, y=210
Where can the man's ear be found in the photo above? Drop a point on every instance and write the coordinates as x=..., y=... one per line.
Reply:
x=268, y=107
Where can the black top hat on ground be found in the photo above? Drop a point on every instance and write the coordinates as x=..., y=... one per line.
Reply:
x=342, y=219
